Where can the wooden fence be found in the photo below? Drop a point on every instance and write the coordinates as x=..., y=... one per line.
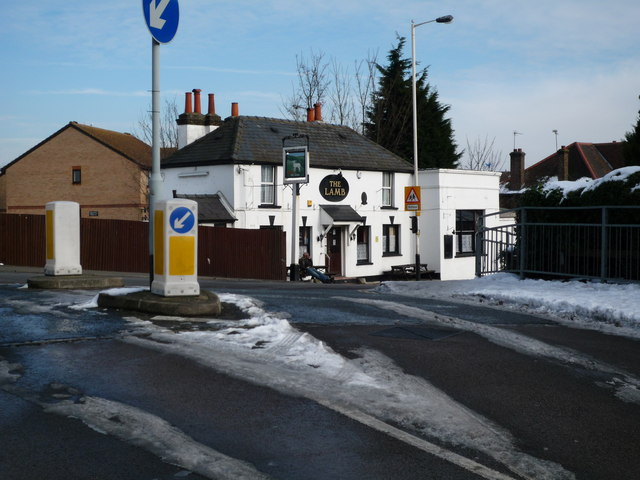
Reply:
x=123, y=246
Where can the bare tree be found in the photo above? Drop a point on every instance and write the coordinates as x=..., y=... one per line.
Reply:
x=366, y=77
x=342, y=105
x=168, y=126
x=311, y=87
x=332, y=84
x=481, y=155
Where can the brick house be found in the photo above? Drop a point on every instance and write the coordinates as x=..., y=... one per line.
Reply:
x=106, y=172
x=575, y=161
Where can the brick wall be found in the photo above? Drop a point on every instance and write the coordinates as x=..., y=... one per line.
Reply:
x=111, y=186
x=3, y=193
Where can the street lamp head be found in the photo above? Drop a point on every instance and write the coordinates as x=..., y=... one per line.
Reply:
x=445, y=19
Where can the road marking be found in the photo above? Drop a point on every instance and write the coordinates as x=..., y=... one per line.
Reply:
x=424, y=445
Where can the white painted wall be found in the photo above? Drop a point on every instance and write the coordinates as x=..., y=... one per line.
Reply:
x=443, y=192
x=240, y=184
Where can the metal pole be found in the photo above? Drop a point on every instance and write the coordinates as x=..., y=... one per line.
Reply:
x=416, y=182
x=294, y=274
x=604, y=244
x=155, y=179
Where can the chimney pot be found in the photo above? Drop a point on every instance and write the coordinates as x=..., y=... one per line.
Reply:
x=188, y=106
x=196, y=100
x=318, y=112
x=234, y=109
x=212, y=105
x=311, y=114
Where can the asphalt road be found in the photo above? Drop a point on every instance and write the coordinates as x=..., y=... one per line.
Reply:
x=564, y=414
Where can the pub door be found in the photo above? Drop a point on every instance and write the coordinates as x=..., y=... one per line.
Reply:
x=334, y=250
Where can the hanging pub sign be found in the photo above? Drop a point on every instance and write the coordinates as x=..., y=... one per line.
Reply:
x=295, y=162
x=334, y=188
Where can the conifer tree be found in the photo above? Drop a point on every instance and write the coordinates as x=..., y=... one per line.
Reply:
x=390, y=116
x=632, y=144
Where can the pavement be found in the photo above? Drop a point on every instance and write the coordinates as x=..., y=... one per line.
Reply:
x=204, y=304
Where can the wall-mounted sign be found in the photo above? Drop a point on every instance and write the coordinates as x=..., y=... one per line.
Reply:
x=334, y=188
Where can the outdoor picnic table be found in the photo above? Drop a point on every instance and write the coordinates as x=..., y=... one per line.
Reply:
x=408, y=270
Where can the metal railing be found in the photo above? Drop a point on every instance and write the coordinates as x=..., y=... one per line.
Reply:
x=584, y=242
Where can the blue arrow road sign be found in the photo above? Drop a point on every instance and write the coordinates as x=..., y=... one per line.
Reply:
x=182, y=220
x=162, y=18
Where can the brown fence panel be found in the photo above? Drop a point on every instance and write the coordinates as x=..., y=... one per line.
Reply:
x=114, y=245
x=22, y=240
x=123, y=246
x=241, y=253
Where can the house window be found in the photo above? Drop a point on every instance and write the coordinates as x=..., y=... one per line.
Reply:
x=364, y=234
x=304, y=240
x=387, y=189
x=466, y=221
x=390, y=240
x=76, y=176
x=268, y=185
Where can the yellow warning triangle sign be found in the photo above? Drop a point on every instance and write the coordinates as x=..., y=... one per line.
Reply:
x=412, y=197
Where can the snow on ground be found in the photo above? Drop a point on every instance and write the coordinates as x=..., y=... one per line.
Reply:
x=267, y=350
x=614, y=308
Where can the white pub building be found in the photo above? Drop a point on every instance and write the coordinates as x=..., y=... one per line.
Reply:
x=350, y=216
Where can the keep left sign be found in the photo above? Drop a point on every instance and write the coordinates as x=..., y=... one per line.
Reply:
x=161, y=17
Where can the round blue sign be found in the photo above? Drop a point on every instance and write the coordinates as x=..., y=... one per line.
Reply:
x=162, y=18
x=182, y=220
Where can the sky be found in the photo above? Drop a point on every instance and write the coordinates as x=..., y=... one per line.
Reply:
x=502, y=67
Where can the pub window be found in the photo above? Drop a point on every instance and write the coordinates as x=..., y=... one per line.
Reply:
x=387, y=189
x=466, y=221
x=268, y=185
x=304, y=240
x=363, y=240
x=390, y=240
x=76, y=175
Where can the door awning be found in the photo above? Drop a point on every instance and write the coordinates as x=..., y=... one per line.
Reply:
x=339, y=215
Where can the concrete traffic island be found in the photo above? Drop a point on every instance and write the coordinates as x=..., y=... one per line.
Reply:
x=204, y=304
x=74, y=282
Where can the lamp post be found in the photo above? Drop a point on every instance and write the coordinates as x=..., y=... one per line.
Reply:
x=445, y=19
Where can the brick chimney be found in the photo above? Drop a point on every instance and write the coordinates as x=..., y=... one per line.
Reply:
x=517, y=170
x=234, y=109
x=563, y=163
x=191, y=124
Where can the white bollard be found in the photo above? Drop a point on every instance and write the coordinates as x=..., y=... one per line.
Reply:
x=63, y=238
x=175, y=248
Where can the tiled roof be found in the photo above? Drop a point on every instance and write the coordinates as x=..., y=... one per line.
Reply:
x=342, y=213
x=124, y=144
x=592, y=160
x=210, y=208
x=258, y=140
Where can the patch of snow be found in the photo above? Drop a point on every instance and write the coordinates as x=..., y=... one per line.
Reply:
x=93, y=303
x=268, y=351
x=614, y=308
x=154, y=434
